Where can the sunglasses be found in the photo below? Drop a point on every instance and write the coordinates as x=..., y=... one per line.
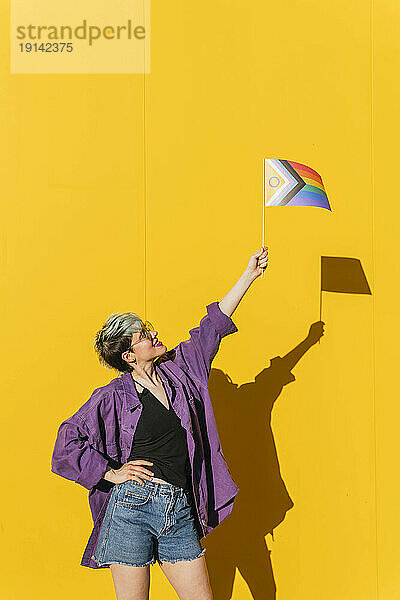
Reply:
x=145, y=332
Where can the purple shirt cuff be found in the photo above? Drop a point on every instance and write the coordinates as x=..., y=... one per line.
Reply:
x=221, y=322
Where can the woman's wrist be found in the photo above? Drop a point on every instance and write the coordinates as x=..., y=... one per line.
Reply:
x=249, y=276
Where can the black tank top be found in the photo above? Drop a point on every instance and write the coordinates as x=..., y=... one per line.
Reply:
x=160, y=438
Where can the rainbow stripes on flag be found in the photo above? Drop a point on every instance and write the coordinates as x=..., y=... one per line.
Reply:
x=289, y=183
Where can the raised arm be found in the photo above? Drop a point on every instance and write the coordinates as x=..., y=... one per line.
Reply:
x=256, y=266
x=197, y=353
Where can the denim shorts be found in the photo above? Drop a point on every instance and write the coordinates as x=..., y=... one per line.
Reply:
x=145, y=523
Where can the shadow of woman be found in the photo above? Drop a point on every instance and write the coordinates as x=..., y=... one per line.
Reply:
x=243, y=416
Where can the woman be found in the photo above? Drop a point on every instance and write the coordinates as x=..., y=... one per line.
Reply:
x=146, y=447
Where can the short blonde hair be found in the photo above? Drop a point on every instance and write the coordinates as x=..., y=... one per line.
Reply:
x=115, y=338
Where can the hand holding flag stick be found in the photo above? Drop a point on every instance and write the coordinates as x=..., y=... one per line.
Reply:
x=258, y=262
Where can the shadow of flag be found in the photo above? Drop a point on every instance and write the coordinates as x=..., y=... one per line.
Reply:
x=342, y=274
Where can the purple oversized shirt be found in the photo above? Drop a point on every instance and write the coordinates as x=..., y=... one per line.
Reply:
x=100, y=433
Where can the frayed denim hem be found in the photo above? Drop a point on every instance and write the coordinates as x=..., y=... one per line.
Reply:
x=175, y=560
x=116, y=562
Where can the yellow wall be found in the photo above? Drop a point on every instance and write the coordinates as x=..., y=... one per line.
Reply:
x=97, y=218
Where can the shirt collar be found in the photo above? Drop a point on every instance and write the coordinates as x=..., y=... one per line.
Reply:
x=131, y=394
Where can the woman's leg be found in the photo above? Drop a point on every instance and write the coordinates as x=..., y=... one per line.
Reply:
x=131, y=583
x=189, y=578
